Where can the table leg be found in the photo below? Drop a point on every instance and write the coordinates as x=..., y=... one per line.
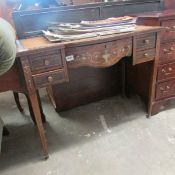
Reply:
x=39, y=123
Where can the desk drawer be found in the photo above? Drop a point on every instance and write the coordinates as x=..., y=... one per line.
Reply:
x=49, y=78
x=167, y=52
x=44, y=61
x=165, y=89
x=146, y=42
x=169, y=33
x=144, y=56
x=166, y=71
x=102, y=54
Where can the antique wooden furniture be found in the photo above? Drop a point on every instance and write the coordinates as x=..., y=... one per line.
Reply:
x=100, y=82
x=43, y=64
x=165, y=86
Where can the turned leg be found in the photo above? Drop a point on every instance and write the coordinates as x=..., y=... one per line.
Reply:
x=16, y=97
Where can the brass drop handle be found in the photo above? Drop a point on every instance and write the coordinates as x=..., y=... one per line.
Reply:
x=146, y=41
x=46, y=62
x=50, y=79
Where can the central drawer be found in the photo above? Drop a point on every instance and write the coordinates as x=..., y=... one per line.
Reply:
x=102, y=54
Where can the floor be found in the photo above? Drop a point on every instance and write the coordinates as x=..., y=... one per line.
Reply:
x=110, y=137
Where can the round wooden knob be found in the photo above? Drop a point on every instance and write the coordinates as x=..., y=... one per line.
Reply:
x=146, y=55
x=162, y=89
x=172, y=49
x=168, y=29
x=163, y=71
x=50, y=79
x=46, y=62
x=146, y=41
x=170, y=69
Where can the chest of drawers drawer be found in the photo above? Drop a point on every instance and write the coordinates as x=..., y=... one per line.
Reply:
x=165, y=89
x=167, y=52
x=49, y=78
x=166, y=71
x=169, y=32
x=145, y=42
x=46, y=61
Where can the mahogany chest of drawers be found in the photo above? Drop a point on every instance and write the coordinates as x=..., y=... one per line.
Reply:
x=165, y=83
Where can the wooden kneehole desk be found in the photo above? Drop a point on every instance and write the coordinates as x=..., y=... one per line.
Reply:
x=41, y=64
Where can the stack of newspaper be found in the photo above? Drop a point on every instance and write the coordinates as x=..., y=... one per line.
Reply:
x=87, y=29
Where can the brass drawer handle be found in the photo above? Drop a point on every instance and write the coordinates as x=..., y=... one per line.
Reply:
x=46, y=62
x=146, y=41
x=50, y=79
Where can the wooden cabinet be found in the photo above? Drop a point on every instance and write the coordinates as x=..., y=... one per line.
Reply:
x=165, y=86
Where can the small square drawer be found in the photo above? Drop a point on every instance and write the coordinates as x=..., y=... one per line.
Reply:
x=44, y=61
x=145, y=42
x=169, y=32
x=167, y=52
x=49, y=78
x=144, y=56
x=165, y=89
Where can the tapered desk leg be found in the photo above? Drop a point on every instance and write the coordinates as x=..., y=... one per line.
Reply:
x=33, y=97
x=39, y=123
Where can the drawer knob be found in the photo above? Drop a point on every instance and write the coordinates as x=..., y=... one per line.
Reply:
x=50, y=79
x=46, y=62
x=168, y=29
x=146, y=41
x=172, y=49
x=146, y=55
x=163, y=71
x=168, y=87
x=170, y=69
x=173, y=27
x=162, y=89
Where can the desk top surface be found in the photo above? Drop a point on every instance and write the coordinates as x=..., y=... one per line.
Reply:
x=40, y=43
